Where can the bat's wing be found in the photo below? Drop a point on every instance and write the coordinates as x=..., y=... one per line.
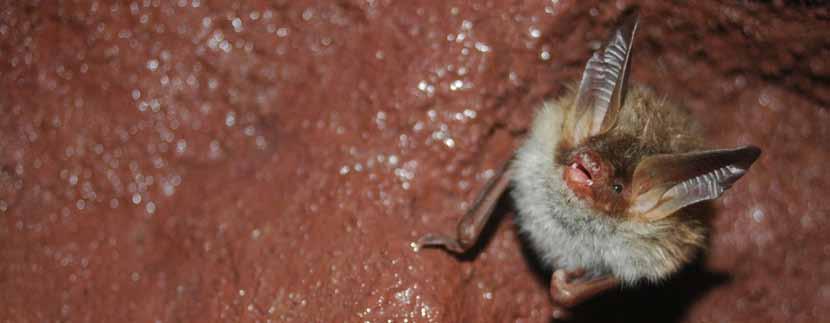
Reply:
x=470, y=226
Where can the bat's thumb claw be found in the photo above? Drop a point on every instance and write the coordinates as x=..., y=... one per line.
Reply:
x=436, y=240
x=415, y=245
x=560, y=314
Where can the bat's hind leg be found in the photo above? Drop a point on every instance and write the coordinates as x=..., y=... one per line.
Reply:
x=568, y=290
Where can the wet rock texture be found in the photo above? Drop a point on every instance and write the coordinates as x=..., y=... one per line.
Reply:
x=197, y=161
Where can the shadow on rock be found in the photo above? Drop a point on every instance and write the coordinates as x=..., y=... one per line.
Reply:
x=667, y=302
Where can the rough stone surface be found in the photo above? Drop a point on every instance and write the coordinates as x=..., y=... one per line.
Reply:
x=273, y=160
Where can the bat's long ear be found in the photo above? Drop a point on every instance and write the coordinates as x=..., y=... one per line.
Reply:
x=602, y=90
x=663, y=184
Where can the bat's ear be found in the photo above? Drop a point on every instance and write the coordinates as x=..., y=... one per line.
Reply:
x=602, y=90
x=663, y=184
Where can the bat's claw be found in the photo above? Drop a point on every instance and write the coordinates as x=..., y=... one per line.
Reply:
x=560, y=313
x=438, y=241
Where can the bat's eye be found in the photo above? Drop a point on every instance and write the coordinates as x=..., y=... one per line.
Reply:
x=617, y=188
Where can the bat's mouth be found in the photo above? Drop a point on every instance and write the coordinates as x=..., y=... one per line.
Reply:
x=577, y=173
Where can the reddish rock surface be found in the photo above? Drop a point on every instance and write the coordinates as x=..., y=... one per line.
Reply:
x=198, y=161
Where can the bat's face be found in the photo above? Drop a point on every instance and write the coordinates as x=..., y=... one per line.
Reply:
x=591, y=175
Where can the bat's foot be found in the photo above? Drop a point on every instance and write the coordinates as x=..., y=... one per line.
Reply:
x=451, y=244
x=567, y=290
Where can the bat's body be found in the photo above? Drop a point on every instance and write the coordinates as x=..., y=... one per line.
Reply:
x=602, y=181
x=567, y=231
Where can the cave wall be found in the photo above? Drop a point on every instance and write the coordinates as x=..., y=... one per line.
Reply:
x=274, y=160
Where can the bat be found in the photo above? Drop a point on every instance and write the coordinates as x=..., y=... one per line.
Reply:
x=602, y=181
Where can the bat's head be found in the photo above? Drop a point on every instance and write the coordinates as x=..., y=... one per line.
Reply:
x=618, y=172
